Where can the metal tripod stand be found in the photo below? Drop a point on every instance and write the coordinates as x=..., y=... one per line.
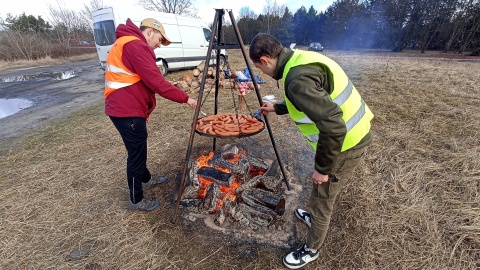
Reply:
x=217, y=25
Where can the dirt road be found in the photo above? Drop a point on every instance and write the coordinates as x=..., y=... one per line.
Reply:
x=54, y=91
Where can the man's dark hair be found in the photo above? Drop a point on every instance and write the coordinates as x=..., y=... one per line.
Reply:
x=264, y=45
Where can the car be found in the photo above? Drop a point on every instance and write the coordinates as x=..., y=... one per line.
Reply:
x=315, y=46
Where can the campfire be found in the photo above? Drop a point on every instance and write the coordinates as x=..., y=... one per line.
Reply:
x=235, y=187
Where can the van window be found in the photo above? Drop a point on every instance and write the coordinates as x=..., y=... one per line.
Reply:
x=207, y=33
x=104, y=32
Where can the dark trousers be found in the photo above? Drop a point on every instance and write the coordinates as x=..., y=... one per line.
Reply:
x=134, y=135
x=322, y=198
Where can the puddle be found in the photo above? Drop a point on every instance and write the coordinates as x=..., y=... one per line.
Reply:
x=42, y=76
x=12, y=106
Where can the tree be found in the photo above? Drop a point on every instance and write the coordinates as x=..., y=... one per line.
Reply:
x=246, y=13
x=248, y=28
x=272, y=13
x=181, y=7
x=25, y=24
x=300, y=24
x=435, y=17
x=69, y=26
x=24, y=38
x=86, y=12
x=285, y=32
x=472, y=30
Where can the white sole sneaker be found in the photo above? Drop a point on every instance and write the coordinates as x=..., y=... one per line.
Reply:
x=304, y=216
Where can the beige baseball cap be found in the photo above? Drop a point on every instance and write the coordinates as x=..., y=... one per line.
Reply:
x=152, y=23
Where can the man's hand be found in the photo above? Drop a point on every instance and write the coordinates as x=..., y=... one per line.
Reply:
x=192, y=103
x=267, y=107
x=319, y=178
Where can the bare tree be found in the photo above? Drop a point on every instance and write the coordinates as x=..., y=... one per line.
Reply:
x=86, y=12
x=272, y=10
x=181, y=7
x=246, y=13
x=69, y=25
x=15, y=45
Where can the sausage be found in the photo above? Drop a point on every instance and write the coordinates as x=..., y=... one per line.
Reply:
x=226, y=133
x=253, y=120
x=248, y=131
x=217, y=122
x=209, y=117
x=233, y=129
x=205, y=127
x=210, y=130
x=228, y=119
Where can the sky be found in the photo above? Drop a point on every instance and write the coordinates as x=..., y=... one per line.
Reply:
x=206, y=8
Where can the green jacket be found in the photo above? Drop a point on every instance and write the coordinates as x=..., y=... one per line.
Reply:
x=308, y=88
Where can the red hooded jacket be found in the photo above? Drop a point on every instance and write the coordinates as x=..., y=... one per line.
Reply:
x=138, y=100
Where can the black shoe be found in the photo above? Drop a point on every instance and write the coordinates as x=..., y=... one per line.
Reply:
x=144, y=205
x=304, y=216
x=154, y=182
x=300, y=257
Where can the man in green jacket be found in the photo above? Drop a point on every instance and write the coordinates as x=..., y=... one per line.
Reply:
x=330, y=113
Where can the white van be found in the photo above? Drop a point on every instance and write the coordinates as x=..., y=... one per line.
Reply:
x=190, y=37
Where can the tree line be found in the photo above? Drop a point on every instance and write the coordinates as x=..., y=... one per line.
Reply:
x=67, y=32
x=395, y=25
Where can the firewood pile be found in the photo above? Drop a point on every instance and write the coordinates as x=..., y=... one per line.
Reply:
x=191, y=83
x=236, y=187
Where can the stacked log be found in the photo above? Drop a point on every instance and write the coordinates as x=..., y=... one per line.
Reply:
x=191, y=83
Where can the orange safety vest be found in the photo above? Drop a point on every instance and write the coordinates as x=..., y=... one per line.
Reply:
x=117, y=75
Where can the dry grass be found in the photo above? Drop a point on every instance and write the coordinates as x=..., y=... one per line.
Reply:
x=414, y=202
x=4, y=65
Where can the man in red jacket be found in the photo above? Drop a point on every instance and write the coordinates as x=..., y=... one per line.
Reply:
x=132, y=79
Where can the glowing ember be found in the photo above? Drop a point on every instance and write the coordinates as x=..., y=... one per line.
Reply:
x=226, y=192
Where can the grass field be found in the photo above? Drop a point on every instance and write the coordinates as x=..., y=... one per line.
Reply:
x=414, y=202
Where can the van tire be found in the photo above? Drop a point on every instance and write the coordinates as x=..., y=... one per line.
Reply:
x=162, y=67
x=223, y=62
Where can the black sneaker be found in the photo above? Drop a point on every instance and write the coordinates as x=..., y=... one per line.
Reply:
x=304, y=216
x=300, y=257
x=144, y=205
x=154, y=182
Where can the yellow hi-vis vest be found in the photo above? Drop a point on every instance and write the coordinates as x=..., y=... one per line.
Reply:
x=116, y=74
x=356, y=114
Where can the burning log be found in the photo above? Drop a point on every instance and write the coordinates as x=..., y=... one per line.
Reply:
x=219, y=177
x=193, y=187
x=230, y=151
x=220, y=217
x=257, y=166
x=264, y=201
x=272, y=183
x=258, y=163
x=220, y=162
x=210, y=202
x=241, y=169
x=252, y=183
x=238, y=215
x=255, y=216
